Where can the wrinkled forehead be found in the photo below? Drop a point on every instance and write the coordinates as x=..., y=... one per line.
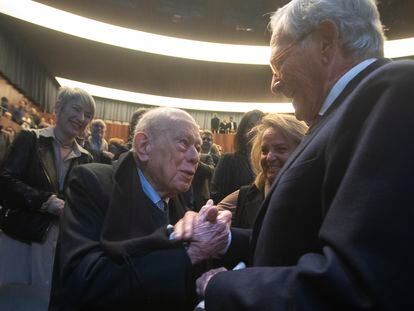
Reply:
x=182, y=128
x=278, y=42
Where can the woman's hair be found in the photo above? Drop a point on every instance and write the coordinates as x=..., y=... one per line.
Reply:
x=67, y=94
x=288, y=126
x=248, y=121
x=360, y=29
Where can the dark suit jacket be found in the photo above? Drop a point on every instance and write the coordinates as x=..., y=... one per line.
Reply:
x=215, y=121
x=249, y=201
x=336, y=231
x=114, y=252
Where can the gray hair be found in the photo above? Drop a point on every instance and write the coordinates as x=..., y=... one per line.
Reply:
x=67, y=94
x=358, y=23
x=161, y=120
x=96, y=122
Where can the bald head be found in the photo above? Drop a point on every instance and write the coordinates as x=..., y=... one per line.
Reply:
x=167, y=145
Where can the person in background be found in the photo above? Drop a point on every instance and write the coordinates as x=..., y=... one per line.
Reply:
x=96, y=143
x=232, y=126
x=136, y=116
x=33, y=180
x=206, y=146
x=215, y=122
x=115, y=250
x=19, y=112
x=116, y=146
x=223, y=127
x=4, y=105
x=335, y=231
x=276, y=137
x=234, y=170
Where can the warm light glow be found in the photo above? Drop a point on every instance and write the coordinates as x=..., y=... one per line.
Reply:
x=86, y=28
x=194, y=104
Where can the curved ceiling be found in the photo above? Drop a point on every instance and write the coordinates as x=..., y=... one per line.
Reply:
x=229, y=21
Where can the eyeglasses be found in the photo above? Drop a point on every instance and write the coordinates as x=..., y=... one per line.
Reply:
x=278, y=60
x=206, y=138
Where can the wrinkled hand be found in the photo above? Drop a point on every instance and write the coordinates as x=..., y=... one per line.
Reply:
x=203, y=280
x=207, y=232
x=183, y=229
x=55, y=206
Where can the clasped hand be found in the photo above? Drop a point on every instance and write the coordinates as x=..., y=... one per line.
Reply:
x=207, y=232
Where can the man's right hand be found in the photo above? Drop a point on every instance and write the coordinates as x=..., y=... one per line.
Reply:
x=54, y=205
x=208, y=232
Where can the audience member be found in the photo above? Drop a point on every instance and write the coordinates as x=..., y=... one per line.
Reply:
x=8, y=115
x=4, y=105
x=215, y=122
x=116, y=146
x=33, y=180
x=114, y=251
x=234, y=170
x=137, y=115
x=18, y=112
x=96, y=143
x=335, y=231
x=276, y=136
x=206, y=146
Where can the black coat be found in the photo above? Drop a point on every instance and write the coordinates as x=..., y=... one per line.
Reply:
x=114, y=252
x=336, y=231
x=232, y=171
x=28, y=176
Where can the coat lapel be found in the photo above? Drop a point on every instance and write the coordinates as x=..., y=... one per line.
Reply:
x=47, y=159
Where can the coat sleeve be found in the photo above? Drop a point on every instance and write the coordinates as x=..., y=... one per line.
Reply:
x=367, y=255
x=87, y=276
x=15, y=168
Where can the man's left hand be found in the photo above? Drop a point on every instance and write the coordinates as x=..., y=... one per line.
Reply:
x=203, y=280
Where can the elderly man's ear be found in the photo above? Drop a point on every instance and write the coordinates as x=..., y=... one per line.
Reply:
x=142, y=146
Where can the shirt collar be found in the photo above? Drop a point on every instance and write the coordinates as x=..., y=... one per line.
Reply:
x=340, y=85
x=77, y=149
x=149, y=189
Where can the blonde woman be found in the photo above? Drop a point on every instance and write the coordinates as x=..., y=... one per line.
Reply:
x=274, y=140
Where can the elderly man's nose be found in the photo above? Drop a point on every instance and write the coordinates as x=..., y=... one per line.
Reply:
x=276, y=84
x=193, y=155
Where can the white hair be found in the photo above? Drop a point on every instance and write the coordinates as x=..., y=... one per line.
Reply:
x=159, y=121
x=360, y=29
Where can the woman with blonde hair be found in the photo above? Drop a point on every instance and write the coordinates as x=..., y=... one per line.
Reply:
x=275, y=138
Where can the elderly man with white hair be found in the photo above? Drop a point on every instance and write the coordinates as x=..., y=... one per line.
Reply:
x=336, y=230
x=116, y=250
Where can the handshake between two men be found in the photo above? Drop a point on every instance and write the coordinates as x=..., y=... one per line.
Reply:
x=208, y=234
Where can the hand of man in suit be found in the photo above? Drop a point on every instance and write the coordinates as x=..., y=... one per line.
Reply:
x=207, y=231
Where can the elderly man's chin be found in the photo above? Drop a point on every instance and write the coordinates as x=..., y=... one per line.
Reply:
x=301, y=110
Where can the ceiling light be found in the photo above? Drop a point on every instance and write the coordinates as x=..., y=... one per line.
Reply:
x=90, y=29
x=193, y=104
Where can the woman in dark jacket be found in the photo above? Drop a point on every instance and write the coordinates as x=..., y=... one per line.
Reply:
x=32, y=183
x=233, y=169
x=275, y=139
